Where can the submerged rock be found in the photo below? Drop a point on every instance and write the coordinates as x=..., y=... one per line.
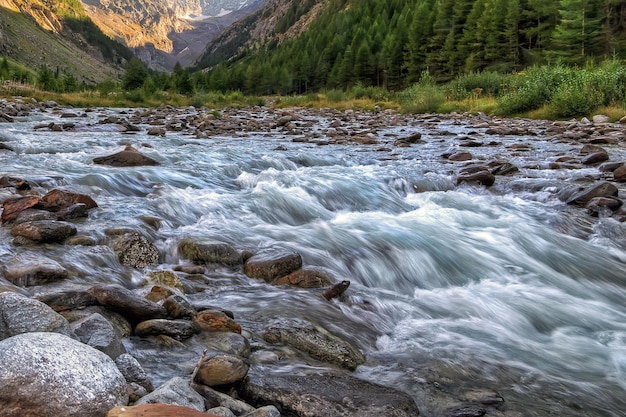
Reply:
x=76, y=381
x=326, y=395
x=271, y=264
x=318, y=343
x=44, y=231
x=129, y=157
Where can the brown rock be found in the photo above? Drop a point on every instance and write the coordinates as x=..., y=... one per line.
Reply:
x=127, y=303
x=601, y=189
x=619, y=174
x=596, y=158
x=56, y=200
x=156, y=410
x=129, y=157
x=178, y=329
x=44, y=231
x=216, y=321
x=484, y=177
x=305, y=278
x=269, y=265
x=221, y=369
x=13, y=207
x=460, y=156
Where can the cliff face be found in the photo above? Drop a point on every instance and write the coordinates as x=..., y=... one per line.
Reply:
x=163, y=33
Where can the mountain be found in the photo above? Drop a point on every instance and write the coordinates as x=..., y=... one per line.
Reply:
x=59, y=35
x=163, y=33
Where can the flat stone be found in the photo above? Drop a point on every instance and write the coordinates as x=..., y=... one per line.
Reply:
x=44, y=231
x=271, y=264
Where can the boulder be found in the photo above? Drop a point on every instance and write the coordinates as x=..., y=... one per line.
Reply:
x=133, y=372
x=136, y=251
x=176, y=391
x=177, y=329
x=271, y=264
x=316, y=342
x=210, y=252
x=31, y=269
x=216, y=321
x=127, y=303
x=20, y=314
x=316, y=395
x=44, y=231
x=220, y=369
x=56, y=200
x=596, y=158
x=76, y=381
x=97, y=332
x=600, y=189
x=129, y=157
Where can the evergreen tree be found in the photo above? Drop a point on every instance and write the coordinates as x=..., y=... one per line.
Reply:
x=577, y=33
x=135, y=75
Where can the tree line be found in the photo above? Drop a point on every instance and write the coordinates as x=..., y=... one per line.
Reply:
x=391, y=43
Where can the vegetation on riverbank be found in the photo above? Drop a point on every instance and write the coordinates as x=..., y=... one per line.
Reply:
x=543, y=92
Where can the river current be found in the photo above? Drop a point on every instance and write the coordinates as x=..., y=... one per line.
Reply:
x=453, y=288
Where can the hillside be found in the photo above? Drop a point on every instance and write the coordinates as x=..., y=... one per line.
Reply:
x=164, y=33
x=288, y=47
x=61, y=38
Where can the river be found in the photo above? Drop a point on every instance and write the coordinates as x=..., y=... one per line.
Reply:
x=453, y=288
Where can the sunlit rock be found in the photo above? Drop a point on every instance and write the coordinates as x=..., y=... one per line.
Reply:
x=216, y=321
x=220, y=369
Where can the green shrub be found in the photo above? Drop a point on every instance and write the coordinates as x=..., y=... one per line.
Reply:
x=422, y=98
x=465, y=86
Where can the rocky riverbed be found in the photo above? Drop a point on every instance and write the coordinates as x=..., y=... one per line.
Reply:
x=125, y=291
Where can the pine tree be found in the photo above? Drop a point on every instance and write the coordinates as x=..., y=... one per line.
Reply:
x=135, y=75
x=576, y=34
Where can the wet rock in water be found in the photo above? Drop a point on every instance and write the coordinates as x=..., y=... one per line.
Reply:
x=129, y=157
x=176, y=329
x=76, y=381
x=597, y=205
x=210, y=252
x=158, y=293
x=610, y=166
x=216, y=321
x=156, y=131
x=482, y=177
x=5, y=147
x=305, y=278
x=619, y=174
x=30, y=269
x=336, y=290
x=156, y=410
x=483, y=396
x=20, y=314
x=215, y=398
x=316, y=342
x=30, y=215
x=178, y=306
x=176, y=391
x=133, y=372
x=505, y=168
x=44, y=231
x=12, y=207
x=167, y=279
x=127, y=303
x=68, y=300
x=600, y=189
x=136, y=251
x=459, y=156
x=271, y=264
x=596, y=158
x=226, y=342
x=220, y=369
x=326, y=395
x=56, y=200
x=97, y=332
x=466, y=411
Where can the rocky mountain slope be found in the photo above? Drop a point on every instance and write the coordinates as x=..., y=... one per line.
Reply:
x=163, y=33
x=276, y=20
x=57, y=34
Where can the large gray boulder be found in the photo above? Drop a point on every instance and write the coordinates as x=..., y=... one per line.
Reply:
x=97, y=332
x=326, y=395
x=20, y=314
x=176, y=391
x=49, y=374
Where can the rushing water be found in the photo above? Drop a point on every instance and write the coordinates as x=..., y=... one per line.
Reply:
x=452, y=288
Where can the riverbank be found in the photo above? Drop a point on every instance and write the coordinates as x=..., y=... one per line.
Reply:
x=145, y=257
